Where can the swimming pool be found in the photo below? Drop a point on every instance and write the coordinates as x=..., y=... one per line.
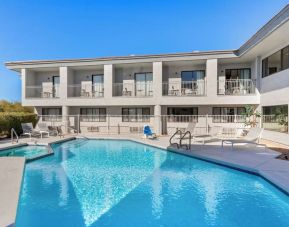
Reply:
x=122, y=183
x=29, y=152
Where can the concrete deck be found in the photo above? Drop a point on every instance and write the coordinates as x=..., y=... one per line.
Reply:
x=252, y=158
x=11, y=171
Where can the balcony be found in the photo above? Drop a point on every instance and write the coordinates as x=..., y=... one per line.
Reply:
x=42, y=91
x=184, y=88
x=85, y=90
x=236, y=87
x=133, y=89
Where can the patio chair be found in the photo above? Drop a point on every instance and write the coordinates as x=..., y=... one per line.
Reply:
x=148, y=133
x=252, y=137
x=59, y=131
x=28, y=130
x=214, y=133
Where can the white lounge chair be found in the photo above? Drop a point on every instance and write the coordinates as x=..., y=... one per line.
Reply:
x=252, y=137
x=214, y=133
x=28, y=130
x=190, y=127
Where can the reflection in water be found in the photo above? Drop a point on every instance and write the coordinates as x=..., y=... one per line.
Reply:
x=113, y=183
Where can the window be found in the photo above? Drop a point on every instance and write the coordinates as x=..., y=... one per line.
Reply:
x=97, y=85
x=227, y=114
x=275, y=118
x=276, y=62
x=93, y=114
x=51, y=114
x=234, y=74
x=272, y=110
x=136, y=114
x=182, y=114
x=190, y=78
x=143, y=84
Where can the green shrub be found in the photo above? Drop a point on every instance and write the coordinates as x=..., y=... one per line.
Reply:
x=10, y=120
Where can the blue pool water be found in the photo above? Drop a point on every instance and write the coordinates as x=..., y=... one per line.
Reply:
x=29, y=152
x=122, y=183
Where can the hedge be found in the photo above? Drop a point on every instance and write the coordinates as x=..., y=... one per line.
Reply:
x=10, y=120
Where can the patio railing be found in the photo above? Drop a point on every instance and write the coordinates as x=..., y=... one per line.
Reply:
x=133, y=124
x=236, y=87
x=42, y=91
x=133, y=89
x=85, y=91
x=184, y=88
x=275, y=123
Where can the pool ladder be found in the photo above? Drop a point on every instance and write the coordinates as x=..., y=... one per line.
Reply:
x=186, y=135
x=13, y=132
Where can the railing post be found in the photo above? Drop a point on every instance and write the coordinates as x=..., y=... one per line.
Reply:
x=78, y=124
x=207, y=126
x=235, y=118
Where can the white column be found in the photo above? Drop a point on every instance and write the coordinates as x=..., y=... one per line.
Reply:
x=63, y=73
x=157, y=119
x=257, y=76
x=157, y=79
x=107, y=80
x=65, y=119
x=212, y=77
x=23, y=83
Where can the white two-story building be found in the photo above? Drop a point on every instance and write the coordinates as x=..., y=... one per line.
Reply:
x=132, y=88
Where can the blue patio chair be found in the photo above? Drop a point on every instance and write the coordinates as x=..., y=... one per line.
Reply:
x=148, y=133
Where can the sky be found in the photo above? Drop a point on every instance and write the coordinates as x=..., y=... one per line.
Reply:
x=60, y=29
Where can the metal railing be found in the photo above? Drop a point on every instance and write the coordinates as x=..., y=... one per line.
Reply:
x=13, y=132
x=85, y=91
x=42, y=91
x=275, y=123
x=184, y=88
x=236, y=87
x=133, y=89
x=133, y=124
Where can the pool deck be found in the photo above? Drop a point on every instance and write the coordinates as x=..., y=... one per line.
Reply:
x=255, y=159
x=11, y=171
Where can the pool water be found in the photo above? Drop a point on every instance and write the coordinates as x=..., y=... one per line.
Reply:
x=29, y=152
x=122, y=183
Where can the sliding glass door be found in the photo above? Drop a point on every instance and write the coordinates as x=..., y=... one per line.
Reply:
x=97, y=85
x=143, y=84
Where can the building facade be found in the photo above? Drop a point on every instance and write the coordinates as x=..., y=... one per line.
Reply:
x=134, y=88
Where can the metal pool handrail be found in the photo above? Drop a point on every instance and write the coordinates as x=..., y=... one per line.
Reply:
x=190, y=139
x=171, y=143
x=13, y=132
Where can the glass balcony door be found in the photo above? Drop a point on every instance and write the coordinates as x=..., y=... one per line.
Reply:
x=97, y=85
x=56, y=83
x=143, y=84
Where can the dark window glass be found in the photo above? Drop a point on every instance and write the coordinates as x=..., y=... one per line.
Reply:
x=135, y=114
x=285, y=58
x=93, y=114
x=273, y=110
x=233, y=74
x=276, y=62
x=182, y=114
x=227, y=114
x=51, y=114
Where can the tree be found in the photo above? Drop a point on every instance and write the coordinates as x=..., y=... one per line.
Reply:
x=6, y=106
x=251, y=116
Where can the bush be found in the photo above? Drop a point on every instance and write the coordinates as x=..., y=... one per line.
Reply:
x=10, y=120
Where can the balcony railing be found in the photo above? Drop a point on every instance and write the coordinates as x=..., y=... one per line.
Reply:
x=136, y=89
x=236, y=87
x=85, y=91
x=184, y=88
x=42, y=91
